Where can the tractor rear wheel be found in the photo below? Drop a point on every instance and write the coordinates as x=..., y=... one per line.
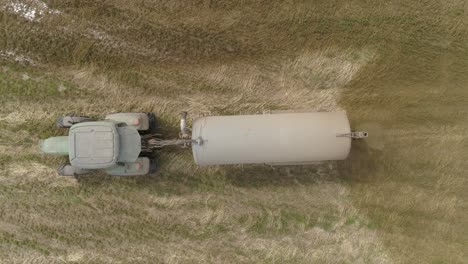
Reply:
x=152, y=124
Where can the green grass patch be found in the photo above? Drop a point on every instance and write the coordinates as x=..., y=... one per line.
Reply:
x=21, y=84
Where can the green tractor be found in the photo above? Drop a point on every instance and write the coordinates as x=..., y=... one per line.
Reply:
x=119, y=144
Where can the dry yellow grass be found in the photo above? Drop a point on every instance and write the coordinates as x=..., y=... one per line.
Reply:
x=398, y=68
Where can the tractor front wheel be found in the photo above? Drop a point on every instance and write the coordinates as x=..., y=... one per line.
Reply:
x=68, y=121
x=68, y=170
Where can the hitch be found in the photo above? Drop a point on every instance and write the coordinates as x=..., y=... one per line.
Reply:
x=354, y=134
x=153, y=141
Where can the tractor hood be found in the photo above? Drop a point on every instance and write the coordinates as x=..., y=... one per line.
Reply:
x=55, y=145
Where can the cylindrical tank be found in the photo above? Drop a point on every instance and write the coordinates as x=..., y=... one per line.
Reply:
x=284, y=138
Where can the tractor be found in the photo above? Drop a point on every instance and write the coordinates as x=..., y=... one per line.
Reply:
x=119, y=144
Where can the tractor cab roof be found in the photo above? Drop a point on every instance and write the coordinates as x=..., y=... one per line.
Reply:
x=94, y=145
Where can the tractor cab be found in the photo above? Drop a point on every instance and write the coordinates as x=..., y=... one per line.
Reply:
x=95, y=145
x=111, y=145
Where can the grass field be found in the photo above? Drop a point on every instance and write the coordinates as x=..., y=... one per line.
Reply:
x=399, y=68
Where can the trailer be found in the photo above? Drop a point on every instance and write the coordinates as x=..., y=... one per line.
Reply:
x=123, y=144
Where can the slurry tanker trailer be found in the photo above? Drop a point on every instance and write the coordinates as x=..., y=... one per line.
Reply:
x=124, y=144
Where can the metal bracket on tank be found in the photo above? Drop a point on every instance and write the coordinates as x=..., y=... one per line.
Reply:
x=199, y=141
x=186, y=133
x=354, y=134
